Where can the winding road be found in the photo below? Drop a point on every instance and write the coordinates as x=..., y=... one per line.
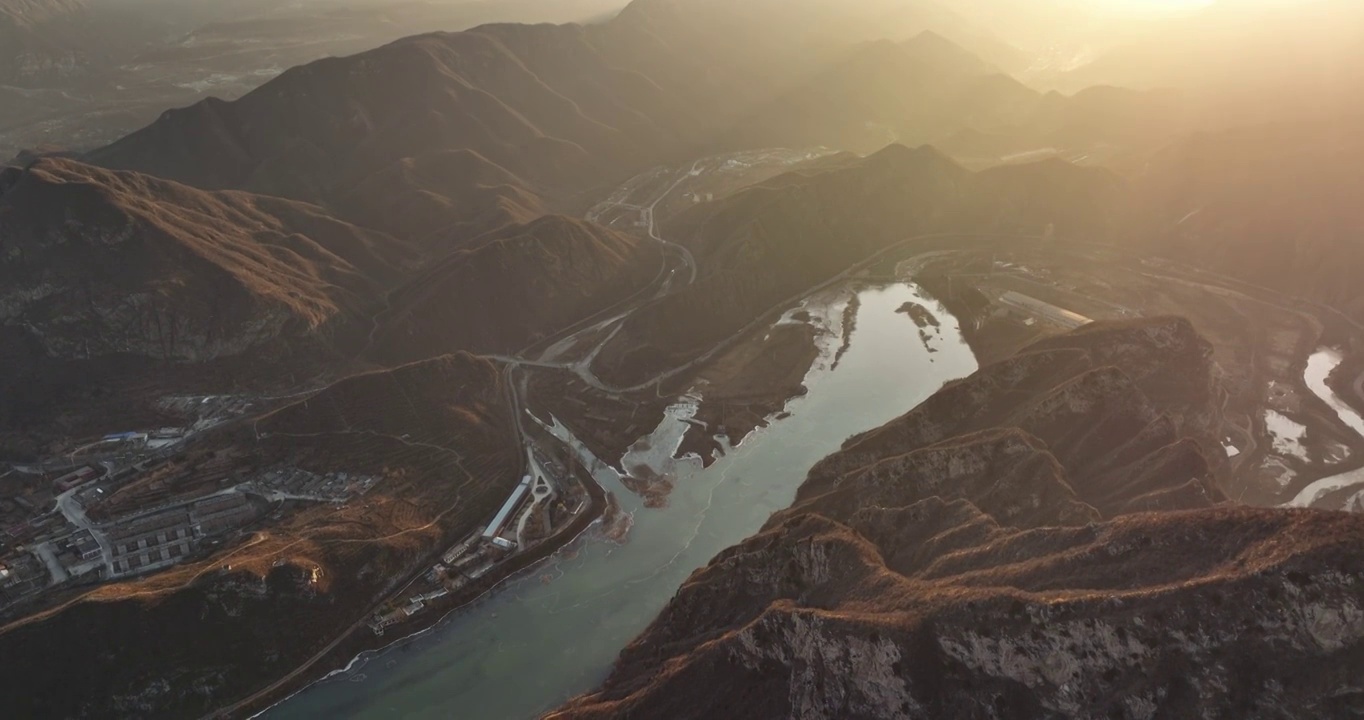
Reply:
x=676, y=258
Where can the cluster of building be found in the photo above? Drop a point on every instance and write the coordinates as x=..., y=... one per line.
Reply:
x=21, y=576
x=296, y=484
x=208, y=409
x=478, y=554
x=140, y=543
x=176, y=509
x=160, y=540
x=462, y=564
x=21, y=521
x=77, y=478
x=151, y=503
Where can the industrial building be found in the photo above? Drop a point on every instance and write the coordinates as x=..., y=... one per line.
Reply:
x=1031, y=309
x=509, y=507
x=77, y=478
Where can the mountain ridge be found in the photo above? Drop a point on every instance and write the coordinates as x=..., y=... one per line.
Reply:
x=202, y=275
x=953, y=564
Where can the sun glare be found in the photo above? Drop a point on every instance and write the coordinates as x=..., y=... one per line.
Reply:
x=1154, y=6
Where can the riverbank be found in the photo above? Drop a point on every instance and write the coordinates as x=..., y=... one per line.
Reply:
x=358, y=641
x=533, y=643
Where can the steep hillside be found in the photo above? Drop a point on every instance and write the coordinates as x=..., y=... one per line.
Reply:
x=762, y=246
x=441, y=199
x=992, y=554
x=568, y=109
x=540, y=102
x=745, y=53
x=1085, y=203
x=912, y=92
x=513, y=287
x=1235, y=57
x=99, y=263
x=1275, y=205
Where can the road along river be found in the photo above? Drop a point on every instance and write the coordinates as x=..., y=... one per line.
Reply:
x=555, y=632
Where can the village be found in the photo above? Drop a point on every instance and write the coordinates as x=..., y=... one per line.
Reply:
x=131, y=503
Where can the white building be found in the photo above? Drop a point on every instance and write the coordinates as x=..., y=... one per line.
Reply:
x=1031, y=308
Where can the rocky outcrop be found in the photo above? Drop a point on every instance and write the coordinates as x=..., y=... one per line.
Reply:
x=993, y=554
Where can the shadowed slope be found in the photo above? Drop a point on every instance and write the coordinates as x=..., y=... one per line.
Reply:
x=930, y=571
x=98, y=262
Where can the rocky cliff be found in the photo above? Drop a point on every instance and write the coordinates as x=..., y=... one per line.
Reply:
x=996, y=553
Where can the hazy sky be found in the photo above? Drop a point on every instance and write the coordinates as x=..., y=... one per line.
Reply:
x=1153, y=5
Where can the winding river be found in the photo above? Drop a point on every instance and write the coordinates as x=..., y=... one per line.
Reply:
x=555, y=631
x=1319, y=367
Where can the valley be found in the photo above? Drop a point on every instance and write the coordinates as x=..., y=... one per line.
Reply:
x=671, y=463
x=446, y=671
x=686, y=359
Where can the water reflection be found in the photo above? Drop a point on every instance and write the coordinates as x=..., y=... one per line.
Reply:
x=1319, y=368
x=531, y=645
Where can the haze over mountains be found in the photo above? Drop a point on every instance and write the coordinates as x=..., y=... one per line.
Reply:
x=77, y=74
x=435, y=143
x=373, y=253
x=991, y=555
x=120, y=263
x=759, y=247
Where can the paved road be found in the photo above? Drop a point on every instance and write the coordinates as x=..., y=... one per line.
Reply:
x=49, y=558
x=662, y=287
x=75, y=514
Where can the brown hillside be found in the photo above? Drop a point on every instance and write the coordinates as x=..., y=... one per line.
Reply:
x=952, y=564
x=98, y=262
x=1275, y=205
x=513, y=287
x=766, y=244
x=912, y=92
x=441, y=200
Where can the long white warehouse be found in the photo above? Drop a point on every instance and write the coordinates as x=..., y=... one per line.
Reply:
x=517, y=495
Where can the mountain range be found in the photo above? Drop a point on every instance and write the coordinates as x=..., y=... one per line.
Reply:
x=1048, y=537
x=994, y=554
x=336, y=205
x=758, y=248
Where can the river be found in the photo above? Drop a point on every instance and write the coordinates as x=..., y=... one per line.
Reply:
x=554, y=632
x=1319, y=367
